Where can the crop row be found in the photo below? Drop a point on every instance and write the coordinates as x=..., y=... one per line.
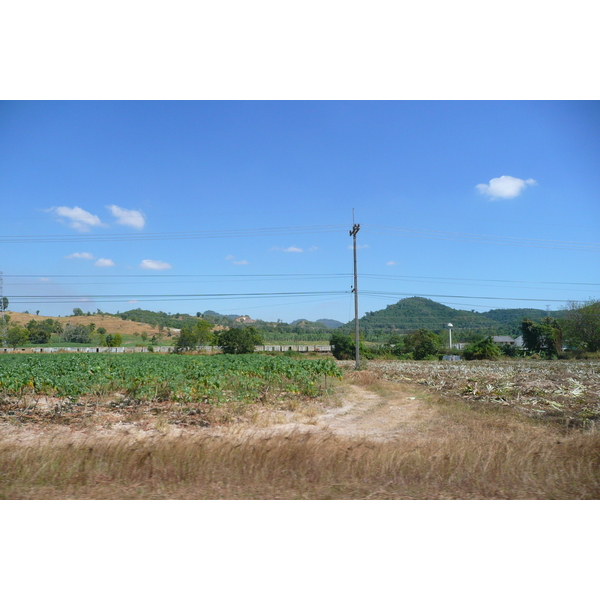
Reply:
x=218, y=378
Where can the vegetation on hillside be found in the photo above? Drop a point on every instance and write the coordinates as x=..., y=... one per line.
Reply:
x=394, y=328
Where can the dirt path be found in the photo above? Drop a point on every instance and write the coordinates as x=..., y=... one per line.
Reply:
x=391, y=412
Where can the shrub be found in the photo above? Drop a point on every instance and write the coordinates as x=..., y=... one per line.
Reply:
x=422, y=344
x=482, y=350
x=113, y=340
x=343, y=347
x=239, y=340
x=79, y=334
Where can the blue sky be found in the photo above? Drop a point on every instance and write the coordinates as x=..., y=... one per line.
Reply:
x=164, y=205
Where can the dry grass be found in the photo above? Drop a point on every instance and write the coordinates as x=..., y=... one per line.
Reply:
x=488, y=465
x=465, y=451
x=490, y=453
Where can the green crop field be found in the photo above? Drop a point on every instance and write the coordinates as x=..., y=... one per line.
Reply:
x=216, y=379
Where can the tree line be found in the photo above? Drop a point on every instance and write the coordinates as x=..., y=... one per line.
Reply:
x=575, y=334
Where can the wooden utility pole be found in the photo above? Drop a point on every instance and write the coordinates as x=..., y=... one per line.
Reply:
x=355, y=230
x=3, y=328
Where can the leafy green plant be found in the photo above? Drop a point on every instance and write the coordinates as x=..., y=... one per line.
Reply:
x=240, y=340
x=482, y=350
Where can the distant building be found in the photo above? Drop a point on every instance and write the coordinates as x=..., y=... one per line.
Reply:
x=503, y=340
x=245, y=319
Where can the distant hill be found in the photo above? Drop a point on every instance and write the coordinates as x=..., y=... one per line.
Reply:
x=331, y=323
x=111, y=323
x=414, y=313
x=406, y=315
x=511, y=318
x=174, y=321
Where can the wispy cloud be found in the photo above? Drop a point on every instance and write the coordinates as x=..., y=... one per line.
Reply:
x=132, y=301
x=104, y=262
x=235, y=262
x=77, y=218
x=154, y=265
x=130, y=218
x=391, y=263
x=504, y=187
x=84, y=255
x=44, y=279
x=288, y=249
x=313, y=248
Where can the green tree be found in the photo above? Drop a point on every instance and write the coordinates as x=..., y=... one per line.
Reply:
x=239, y=340
x=482, y=350
x=113, y=340
x=17, y=336
x=101, y=331
x=4, y=303
x=343, y=346
x=77, y=312
x=542, y=338
x=203, y=332
x=581, y=325
x=78, y=334
x=422, y=344
x=191, y=337
x=40, y=332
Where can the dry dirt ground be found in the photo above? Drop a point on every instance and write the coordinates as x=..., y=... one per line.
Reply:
x=379, y=411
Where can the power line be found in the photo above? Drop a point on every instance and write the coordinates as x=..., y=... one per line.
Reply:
x=485, y=239
x=442, y=279
x=81, y=298
x=421, y=295
x=173, y=235
x=197, y=275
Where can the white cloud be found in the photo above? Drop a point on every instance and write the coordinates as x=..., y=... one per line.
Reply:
x=504, y=187
x=130, y=218
x=236, y=262
x=154, y=265
x=313, y=248
x=78, y=218
x=391, y=263
x=288, y=249
x=104, y=262
x=85, y=255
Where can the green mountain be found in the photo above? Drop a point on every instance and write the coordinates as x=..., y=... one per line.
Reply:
x=414, y=313
x=331, y=323
x=406, y=315
x=511, y=318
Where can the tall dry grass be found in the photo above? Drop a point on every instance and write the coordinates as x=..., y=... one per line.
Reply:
x=488, y=463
